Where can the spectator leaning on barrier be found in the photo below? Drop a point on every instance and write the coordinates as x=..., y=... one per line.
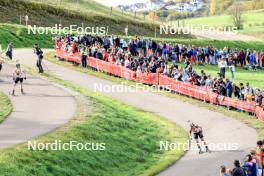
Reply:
x=242, y=91
x=249, y=91
x=203, y=78
x=229, y=88
x=149, y=56
x=259, y=97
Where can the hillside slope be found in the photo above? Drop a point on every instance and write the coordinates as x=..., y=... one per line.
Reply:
x=95, y=15
x=90, y=7
x=253, y=23
x=18, y=34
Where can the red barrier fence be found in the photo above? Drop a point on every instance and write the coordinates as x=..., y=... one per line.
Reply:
x=108, y=67
x=201, y=93
x=260, y=113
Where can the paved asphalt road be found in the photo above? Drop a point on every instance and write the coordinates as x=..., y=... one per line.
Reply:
x=42, y=109
x=218, y=128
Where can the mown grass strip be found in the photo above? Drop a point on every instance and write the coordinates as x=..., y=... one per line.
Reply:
x=5, y=106
x=249, y=120
x=131, y=136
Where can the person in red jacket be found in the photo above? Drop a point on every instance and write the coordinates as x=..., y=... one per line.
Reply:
x=106, y=55
x=260, y=153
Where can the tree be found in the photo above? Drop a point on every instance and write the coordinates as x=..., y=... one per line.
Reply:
x=257, y=4
x=153, y=16
x=237, y=15
x=212, y=9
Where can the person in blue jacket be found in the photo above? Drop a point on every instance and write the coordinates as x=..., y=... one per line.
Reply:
x=252, y=60
x=251, y=166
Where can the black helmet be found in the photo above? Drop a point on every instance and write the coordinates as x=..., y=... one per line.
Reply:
x=17, y=65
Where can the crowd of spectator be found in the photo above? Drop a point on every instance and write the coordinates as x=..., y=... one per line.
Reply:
x=173, y=60
x=251, y=166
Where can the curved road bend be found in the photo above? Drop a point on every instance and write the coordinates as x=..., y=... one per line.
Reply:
x=42, y=109
x=218, y=128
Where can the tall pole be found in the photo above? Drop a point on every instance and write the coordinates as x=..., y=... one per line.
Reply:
x=155, y=32
x=26, y=19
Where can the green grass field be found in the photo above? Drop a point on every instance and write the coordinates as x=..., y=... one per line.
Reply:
x=18, y=34
x=90, y=7
x=216, y=43
x=241, y=75
x=86, y=13
x=253, y=22
x=5, y=106
x=241, y=116
x=131, y=135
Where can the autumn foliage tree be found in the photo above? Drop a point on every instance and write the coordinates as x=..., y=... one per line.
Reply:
x=257, y=4
x=236, y=14
x=212, y=8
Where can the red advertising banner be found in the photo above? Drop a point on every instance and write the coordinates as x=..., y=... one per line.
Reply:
x=200, y=93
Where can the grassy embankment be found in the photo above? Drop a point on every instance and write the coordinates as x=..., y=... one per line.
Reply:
x=21, y=39
x=255, y=78
x=241, y=116
x=131, y=137
x=253, y=22
x=81, y=13
x=5, y=106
